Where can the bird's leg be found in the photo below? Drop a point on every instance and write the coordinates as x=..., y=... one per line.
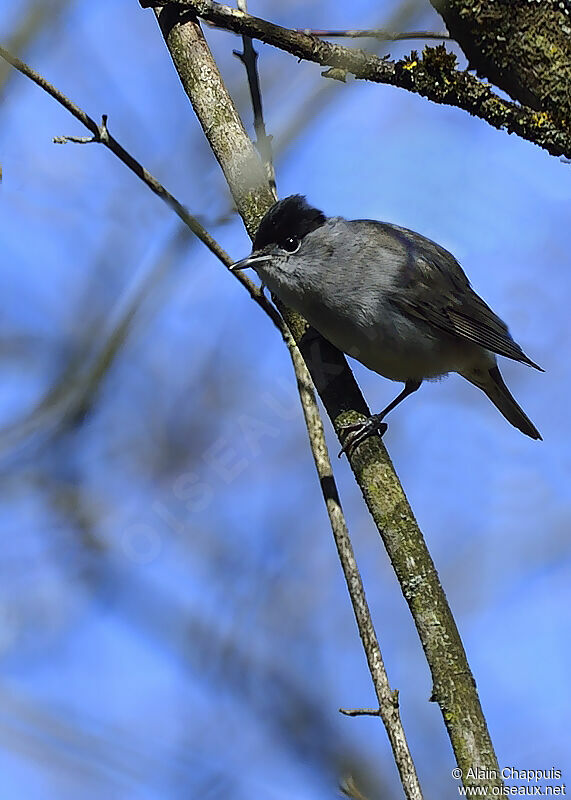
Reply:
x=357, y=432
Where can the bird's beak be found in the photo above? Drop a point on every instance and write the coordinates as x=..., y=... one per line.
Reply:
x=251, y=261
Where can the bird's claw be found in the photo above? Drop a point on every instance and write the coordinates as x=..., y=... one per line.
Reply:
x=357, y=432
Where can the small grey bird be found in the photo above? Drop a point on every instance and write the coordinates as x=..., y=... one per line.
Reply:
x=391, y=298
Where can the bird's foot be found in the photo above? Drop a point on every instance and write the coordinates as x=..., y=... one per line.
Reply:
x=357, y=432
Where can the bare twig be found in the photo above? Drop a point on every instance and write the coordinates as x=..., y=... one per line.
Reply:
x=101, y=135
x=375, y=33
x=359, y=712
x=249, y=57
x=57, y=400
x=433, y=76
x=77, y=139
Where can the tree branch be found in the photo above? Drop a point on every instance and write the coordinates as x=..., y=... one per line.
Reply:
x=388, y=708
x=101, y=135
x=453, y=684
x=380, y=34
x=387, y=698
x=433, y=76
x=249, y=58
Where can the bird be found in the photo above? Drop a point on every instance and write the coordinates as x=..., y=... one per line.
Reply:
x=391, y=298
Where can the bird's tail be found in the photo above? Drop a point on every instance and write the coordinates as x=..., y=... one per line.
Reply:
x=492, y=383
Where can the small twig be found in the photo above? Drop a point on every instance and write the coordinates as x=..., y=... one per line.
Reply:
x=75, y=139
x=360, y=712
x=379, y=33
x=249, y=57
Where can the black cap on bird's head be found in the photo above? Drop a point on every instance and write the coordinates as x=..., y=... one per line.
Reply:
x=291, y=217
x=283, y=226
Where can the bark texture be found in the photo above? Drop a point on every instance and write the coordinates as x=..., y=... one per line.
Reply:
x=521, y=46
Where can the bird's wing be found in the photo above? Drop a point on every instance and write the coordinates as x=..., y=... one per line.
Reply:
x=442, y=296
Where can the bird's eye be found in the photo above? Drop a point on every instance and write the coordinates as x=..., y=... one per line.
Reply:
x=291, y=244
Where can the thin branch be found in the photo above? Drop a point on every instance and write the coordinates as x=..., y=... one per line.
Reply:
x=57, y=399
x=388, y=698
x=433, y=76
x=249, y=57
x=101, y=135
x=77, y=139
x=388, y=708
x=376, y=33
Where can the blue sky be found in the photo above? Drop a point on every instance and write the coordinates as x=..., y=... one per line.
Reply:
x=173, y=620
